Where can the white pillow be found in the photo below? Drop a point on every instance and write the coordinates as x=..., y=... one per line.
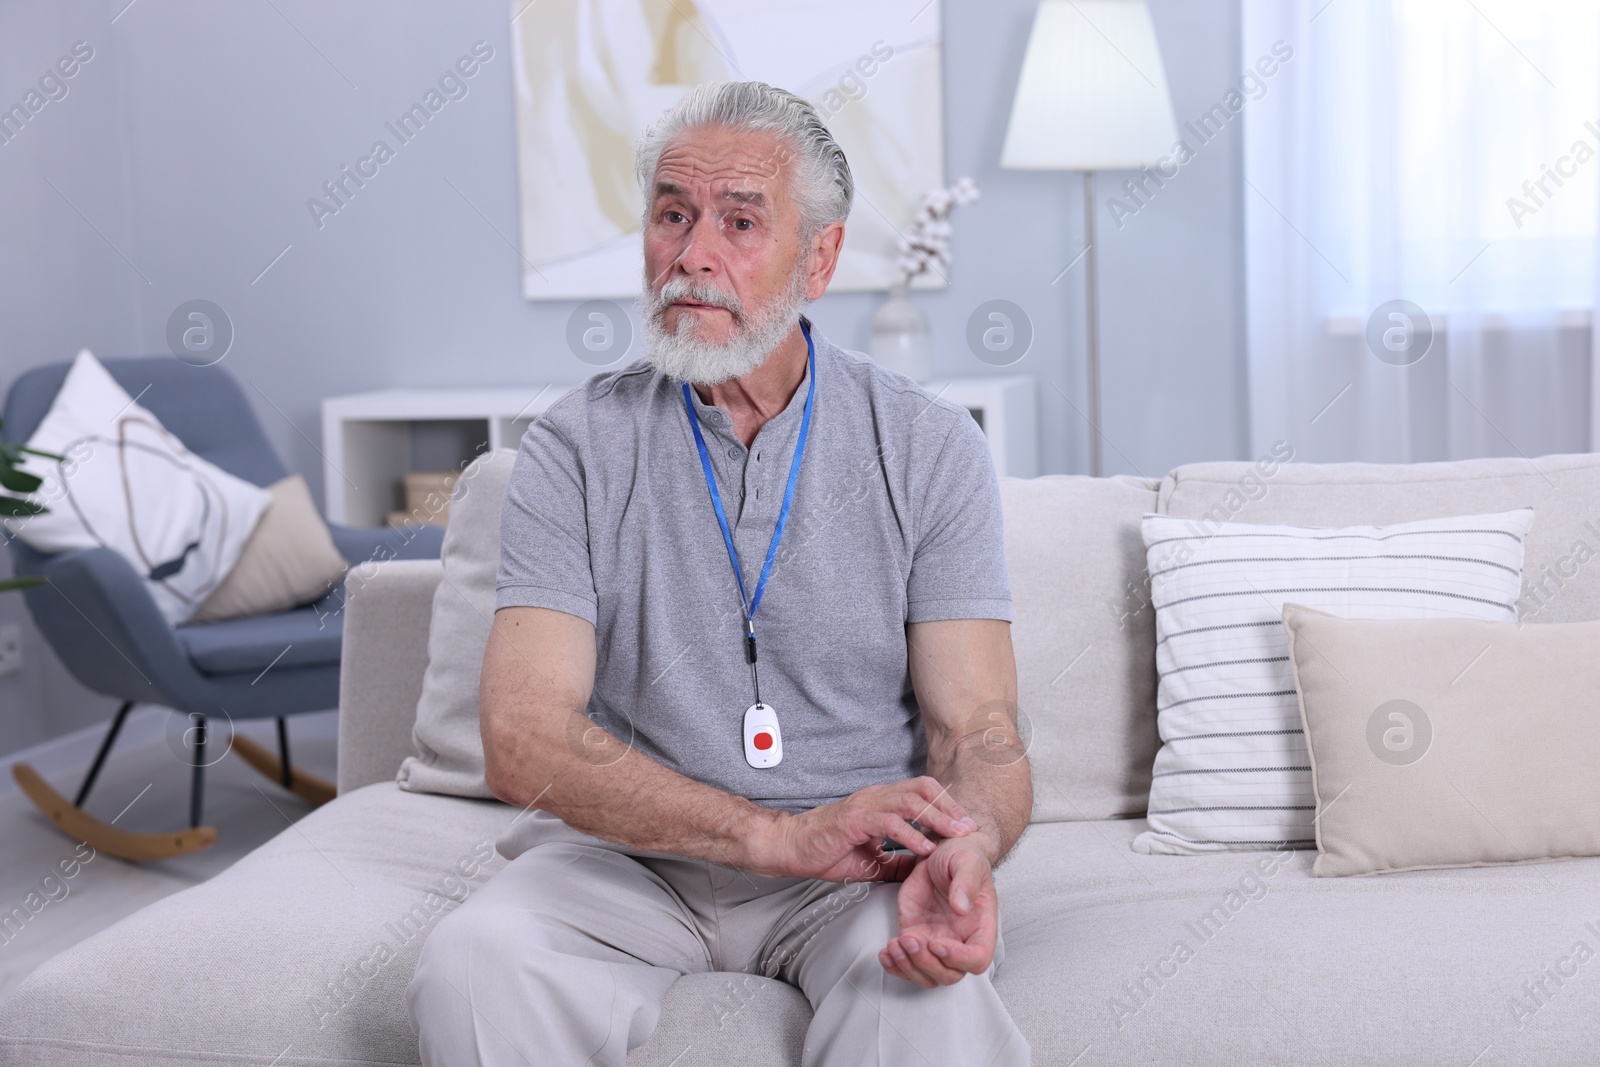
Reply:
x=1233, y=772
x=128, y=484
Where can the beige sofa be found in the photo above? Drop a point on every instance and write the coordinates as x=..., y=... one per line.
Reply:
x=300, y=954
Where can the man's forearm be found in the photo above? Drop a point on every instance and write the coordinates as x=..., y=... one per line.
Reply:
x=993, y=782
x=965, y=677
x=540, y=750
x=637, y=802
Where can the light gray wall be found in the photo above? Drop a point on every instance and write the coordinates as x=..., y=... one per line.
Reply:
x=1172, y=314
x=194, y=138
x=65, y=208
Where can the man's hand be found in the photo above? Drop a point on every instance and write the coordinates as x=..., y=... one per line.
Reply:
x=949, y=917
x=841, y=842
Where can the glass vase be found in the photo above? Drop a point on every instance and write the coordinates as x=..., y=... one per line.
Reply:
x=901, y=339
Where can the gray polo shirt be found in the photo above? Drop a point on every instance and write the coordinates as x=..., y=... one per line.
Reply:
x=896, y=519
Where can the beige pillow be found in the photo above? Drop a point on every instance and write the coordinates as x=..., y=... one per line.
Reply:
x=449, y=745
x=289, y=560
x=1448, y=742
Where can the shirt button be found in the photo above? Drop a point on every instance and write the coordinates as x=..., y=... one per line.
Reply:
x=735, y=452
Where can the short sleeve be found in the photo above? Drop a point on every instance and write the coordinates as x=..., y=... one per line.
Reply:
x=544, y=525
x=958, y=568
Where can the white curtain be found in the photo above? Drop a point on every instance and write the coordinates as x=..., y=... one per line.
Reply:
x=1441, y=153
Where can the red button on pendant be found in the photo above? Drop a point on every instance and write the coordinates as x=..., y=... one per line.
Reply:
x=762, y=741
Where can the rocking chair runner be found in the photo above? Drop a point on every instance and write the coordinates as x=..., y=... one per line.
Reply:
x=104, y=626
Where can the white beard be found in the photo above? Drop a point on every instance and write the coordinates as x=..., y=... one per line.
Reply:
x=685, y=356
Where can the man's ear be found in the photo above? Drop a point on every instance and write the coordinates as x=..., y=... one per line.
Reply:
x=825, y=248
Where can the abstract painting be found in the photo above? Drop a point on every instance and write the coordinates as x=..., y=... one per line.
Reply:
x=592, y=74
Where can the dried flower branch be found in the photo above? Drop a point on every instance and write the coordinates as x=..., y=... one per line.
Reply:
x=927, y=245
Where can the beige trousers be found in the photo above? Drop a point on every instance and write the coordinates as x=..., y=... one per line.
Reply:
x=564, y=956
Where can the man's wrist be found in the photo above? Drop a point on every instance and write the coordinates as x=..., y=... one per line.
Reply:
x=984, y=842
x=764, y=840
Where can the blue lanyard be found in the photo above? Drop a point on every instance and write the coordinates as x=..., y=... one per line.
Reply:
x=751, y=604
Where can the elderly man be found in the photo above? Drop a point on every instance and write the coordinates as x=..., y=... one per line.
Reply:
x=750, y=669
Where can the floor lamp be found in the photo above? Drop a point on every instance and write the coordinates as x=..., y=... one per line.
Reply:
x=1092, y=96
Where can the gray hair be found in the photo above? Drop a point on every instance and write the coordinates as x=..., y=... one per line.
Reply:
x=822, y=184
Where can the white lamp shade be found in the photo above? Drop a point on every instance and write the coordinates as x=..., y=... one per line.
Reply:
x=1093, y=95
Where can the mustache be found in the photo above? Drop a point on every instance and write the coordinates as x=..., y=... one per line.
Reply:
x=701, y=293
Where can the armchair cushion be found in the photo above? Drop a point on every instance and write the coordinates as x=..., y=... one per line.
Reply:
x=299, y=638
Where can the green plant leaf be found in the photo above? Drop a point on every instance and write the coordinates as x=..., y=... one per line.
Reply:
x=12, y=507
x=11, y=453
x=19, y=481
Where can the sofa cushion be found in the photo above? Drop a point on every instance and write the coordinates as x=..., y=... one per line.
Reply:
x=449, y=745
x=1085, y=640
x=300, y=955
x=1113, y=957
x=1426, y=967
x=302, y=950
x=1559, y=581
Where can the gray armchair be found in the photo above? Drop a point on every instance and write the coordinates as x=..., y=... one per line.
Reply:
x=103, y=624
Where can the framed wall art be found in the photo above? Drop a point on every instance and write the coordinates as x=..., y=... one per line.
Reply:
x=591, y=75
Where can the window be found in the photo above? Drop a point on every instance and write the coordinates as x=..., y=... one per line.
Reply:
x=1497, y=147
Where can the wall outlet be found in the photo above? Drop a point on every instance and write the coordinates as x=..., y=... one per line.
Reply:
x=10, y=648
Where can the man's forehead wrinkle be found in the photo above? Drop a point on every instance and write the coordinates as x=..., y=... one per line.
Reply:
x=732, y=190
x=741, y=171
x=694, y=172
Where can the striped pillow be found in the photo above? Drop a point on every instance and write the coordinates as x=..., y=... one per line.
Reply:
x=1233, y=771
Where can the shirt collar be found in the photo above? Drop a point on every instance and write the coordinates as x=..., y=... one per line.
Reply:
x=791, y=412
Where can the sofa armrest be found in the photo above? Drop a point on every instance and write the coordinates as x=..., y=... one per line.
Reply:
x=380, y=676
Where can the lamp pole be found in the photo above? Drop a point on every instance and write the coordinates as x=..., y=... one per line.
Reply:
x=1086, y=104
x=1092, y=324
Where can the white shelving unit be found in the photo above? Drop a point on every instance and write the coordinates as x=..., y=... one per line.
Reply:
x=371, y=440
x=1006, y=410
